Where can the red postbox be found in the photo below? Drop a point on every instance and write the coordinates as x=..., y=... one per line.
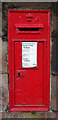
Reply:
x=29, y=60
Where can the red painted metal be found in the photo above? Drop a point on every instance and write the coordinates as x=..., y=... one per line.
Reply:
x=29, y=88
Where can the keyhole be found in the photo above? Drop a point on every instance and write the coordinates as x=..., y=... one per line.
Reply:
x=18, y=74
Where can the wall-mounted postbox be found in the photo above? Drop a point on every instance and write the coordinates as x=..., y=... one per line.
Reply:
x=29, y=59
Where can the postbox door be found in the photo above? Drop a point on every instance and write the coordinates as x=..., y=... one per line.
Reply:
x=29, y=80
x=29, y=59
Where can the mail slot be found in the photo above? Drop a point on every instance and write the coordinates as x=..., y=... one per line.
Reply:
x=29, y=60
